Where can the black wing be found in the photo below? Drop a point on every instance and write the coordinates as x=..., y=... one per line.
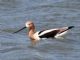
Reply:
x=48, y=34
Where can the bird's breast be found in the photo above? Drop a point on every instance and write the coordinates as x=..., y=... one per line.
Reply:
x=36, y=36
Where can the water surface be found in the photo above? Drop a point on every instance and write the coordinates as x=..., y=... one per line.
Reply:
x=45, y=14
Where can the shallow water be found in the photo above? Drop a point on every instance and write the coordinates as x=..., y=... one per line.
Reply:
x=45, y=14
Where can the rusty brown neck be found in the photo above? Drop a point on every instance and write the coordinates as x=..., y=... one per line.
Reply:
x=31, y=31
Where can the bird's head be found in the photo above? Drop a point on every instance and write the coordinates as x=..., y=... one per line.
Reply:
x=29, y=24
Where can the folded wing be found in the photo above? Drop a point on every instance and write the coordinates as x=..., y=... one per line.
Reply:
x=48, y=33
x=51, y=33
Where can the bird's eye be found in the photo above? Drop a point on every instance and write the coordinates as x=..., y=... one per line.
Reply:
x=28, y=24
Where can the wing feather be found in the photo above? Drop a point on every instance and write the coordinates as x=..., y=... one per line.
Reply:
x=48, y=33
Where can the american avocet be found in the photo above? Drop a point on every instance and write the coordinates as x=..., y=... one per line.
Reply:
x=50, y=33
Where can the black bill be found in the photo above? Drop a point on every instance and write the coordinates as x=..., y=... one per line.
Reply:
x=20, y=30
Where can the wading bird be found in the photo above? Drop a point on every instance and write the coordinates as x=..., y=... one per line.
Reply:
x=50, y=33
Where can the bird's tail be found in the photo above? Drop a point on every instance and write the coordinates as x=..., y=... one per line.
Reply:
x=70, y=27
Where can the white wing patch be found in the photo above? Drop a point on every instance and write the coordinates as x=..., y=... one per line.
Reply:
x=46, y=31
x=61, y=34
